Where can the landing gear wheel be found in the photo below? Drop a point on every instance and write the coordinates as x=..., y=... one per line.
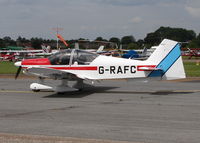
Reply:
x=35, y=90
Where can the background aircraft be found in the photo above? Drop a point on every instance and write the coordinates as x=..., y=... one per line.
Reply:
x=191, y=53
x=15, y=55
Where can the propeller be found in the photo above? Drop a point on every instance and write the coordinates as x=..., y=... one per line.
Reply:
x=18, y=71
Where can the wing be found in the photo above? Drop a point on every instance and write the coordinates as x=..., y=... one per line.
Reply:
x=54, y=73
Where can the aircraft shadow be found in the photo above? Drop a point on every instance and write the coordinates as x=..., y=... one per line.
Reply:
x=80, y=94
x=92, y=90
x=149, y=92
x=170, y=92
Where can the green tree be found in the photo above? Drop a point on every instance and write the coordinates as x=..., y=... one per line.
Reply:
x=2, y=43
x=133, y=46
x=9, y=41
x=36, y=42
x=140, y=43
x=100, y=39
x=195, y=43
x=82, y=39
x=115, y=40
x=21, y=41
x=127, y=40
x=152, y=39
x=177, y=34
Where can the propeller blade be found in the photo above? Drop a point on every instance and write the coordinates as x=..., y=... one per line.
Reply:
x=18, y=71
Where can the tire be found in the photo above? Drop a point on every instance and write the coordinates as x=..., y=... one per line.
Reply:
x=35, y=90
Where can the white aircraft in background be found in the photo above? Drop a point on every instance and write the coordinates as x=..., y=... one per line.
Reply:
x=15, y=55
x=48, y=52
x=77, y=65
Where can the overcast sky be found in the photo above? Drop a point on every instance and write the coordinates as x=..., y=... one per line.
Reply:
x=92, y=18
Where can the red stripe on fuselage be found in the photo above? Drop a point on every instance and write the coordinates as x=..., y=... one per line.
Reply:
x=68, y=68
x=75, y=68
x=148, y=66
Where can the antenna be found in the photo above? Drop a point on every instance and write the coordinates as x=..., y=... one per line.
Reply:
x=57, y=29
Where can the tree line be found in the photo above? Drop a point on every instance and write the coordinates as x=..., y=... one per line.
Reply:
x=188, y=37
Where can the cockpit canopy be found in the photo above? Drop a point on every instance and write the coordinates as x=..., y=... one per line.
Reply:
x=72, y=56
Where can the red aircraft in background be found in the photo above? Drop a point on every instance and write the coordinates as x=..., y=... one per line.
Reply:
x=193, y=52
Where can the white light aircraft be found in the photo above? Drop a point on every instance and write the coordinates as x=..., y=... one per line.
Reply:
x=77, y=65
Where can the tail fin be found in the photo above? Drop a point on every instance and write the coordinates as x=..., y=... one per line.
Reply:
x=167, y=57
x=100, y=49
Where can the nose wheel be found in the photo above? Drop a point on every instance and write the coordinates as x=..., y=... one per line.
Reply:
x=36, y=87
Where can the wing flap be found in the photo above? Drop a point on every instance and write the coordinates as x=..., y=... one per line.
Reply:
x=53, y=73
x=43, y=72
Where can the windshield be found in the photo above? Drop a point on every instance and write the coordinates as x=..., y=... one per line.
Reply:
x=70, y=57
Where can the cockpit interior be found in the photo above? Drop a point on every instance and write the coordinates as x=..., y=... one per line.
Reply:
x=72, y=57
